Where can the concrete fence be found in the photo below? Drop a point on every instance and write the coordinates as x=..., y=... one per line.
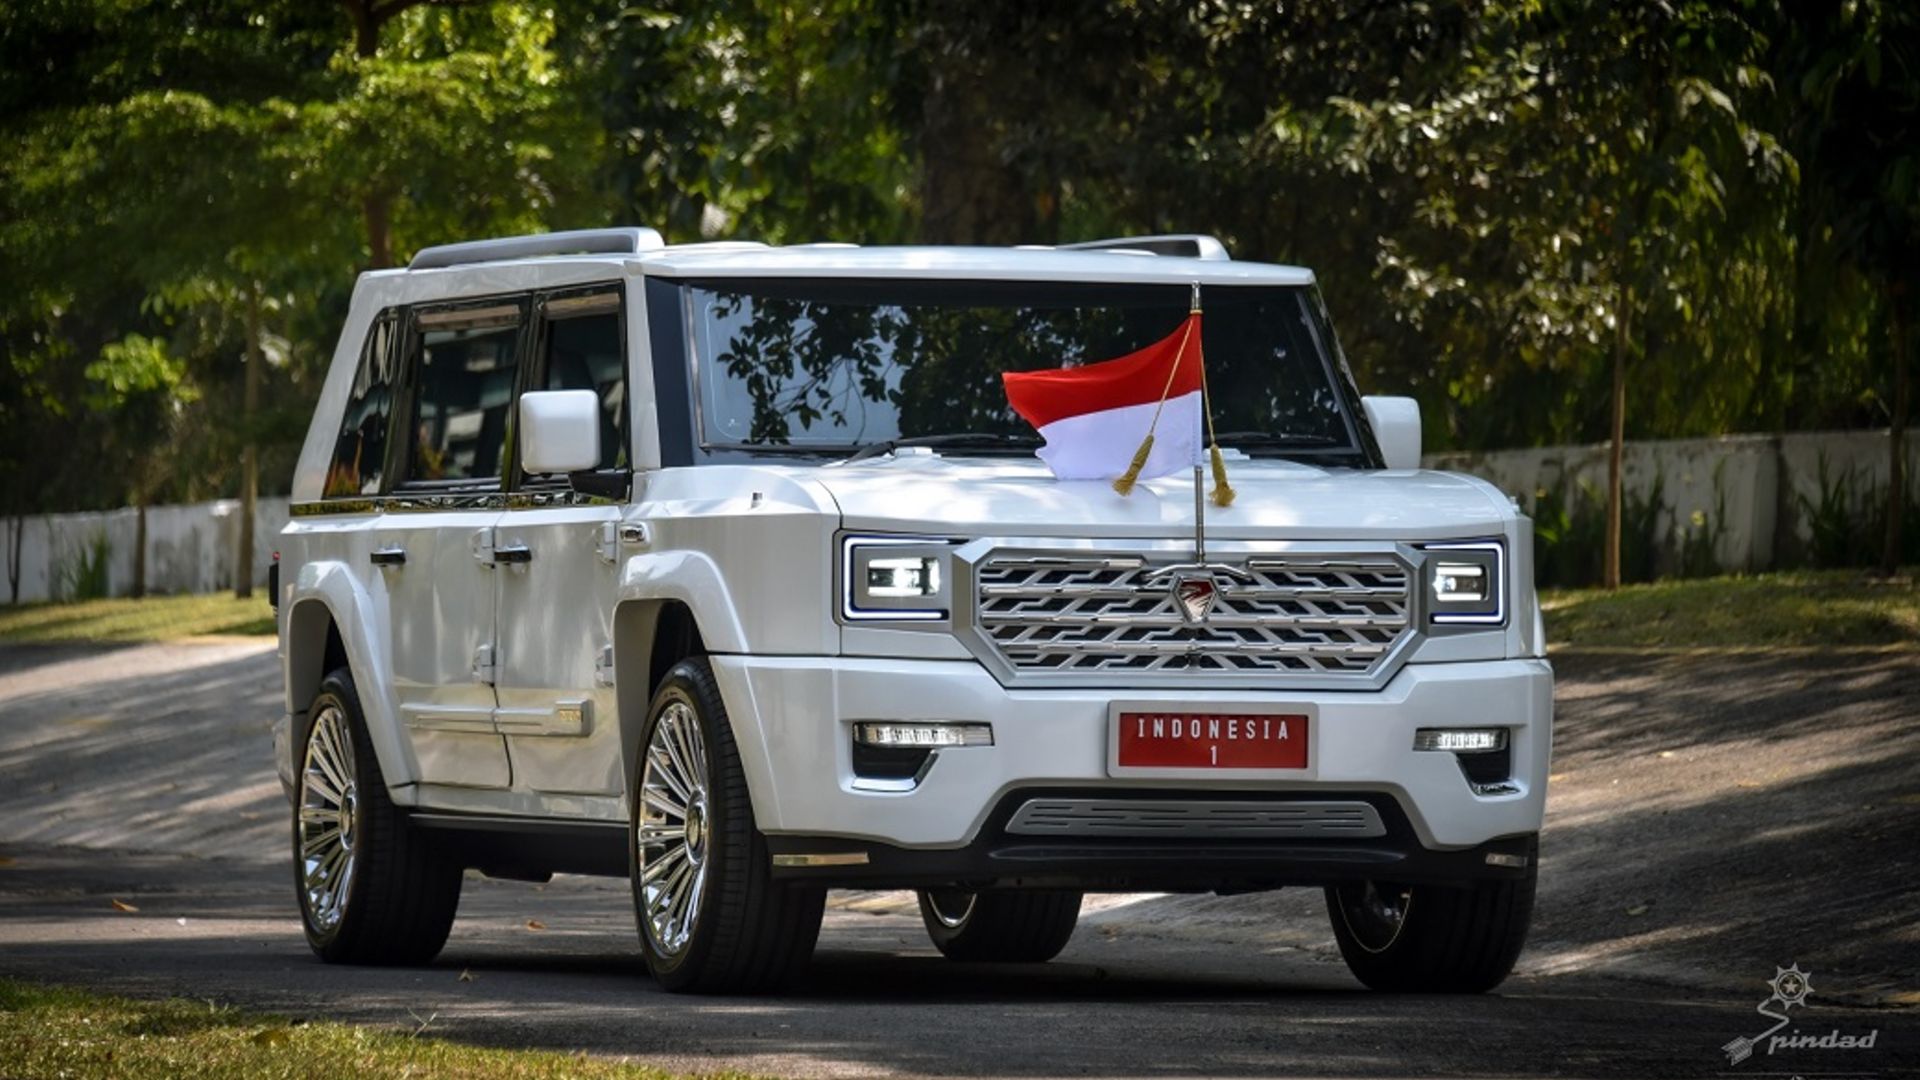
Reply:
x=1752, y=498
x=190, y=549
x=1756, y=499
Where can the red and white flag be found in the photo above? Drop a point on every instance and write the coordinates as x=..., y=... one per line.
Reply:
x=1095, y=417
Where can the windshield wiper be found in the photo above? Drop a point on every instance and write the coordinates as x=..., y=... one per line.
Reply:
x=1277, y=439
x=957, y=438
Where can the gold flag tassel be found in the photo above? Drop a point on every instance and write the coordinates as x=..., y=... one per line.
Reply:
x=1125, y=481
x=1222, y=491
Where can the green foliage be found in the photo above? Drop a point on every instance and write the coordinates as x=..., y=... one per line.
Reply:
x=82, y=574
x=1830, y=517
x=1489, y=191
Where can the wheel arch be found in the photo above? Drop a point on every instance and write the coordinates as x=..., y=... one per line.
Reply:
x=650, y=637
x=331, y=622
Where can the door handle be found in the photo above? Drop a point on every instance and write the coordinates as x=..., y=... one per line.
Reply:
x=391, y=556
x=513, y=553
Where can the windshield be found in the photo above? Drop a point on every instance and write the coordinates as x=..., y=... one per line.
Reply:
x=831, y=366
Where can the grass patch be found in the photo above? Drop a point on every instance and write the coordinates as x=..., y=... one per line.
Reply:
x=154, y=618
x=1798, y=608
x=51, y=1031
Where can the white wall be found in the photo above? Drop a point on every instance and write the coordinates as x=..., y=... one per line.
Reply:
x=1759, y=481
x=190, y=549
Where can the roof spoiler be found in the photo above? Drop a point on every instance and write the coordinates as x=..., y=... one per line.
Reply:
x=624, y=241
x=1183, y=245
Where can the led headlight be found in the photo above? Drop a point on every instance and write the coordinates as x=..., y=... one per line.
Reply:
x=890, y=579
x=1464, y=582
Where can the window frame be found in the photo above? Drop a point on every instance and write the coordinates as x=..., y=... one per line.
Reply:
x=400, y=443
x=533, y=372
x=392, y=319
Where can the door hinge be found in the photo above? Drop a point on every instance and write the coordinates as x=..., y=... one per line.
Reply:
x=488, y=548
x=483, y=665
x=603, y=667
x=609, y=541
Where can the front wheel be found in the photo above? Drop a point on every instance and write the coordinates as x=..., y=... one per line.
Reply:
x=712, y=919
x=1432, y=938
x=1000, y=925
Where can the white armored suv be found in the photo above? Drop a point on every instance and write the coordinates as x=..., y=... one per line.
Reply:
x=731, y=569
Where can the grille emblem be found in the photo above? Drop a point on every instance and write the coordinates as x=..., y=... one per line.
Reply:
x=1195, y=595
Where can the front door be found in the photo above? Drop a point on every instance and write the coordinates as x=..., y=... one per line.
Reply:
x=555, y=627
x=440, y=532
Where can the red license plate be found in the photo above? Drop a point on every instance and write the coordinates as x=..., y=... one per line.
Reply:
x=1183, y=740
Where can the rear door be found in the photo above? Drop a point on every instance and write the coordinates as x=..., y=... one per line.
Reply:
x=555, y=625
x=437, y=537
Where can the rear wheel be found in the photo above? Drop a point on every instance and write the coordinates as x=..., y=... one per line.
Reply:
x=1432, y=938
x=1000, y=925
x=712, y=919
x=371, y=890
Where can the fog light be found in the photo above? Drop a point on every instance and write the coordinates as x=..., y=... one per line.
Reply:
x=1461, y=740
x=922, y=736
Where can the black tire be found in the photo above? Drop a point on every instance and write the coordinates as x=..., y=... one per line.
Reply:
x=749, y=933
x=1007, y=926
x=400, y=894
x=1449, y=940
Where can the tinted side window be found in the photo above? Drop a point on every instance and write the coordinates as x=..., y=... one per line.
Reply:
x=360, y=452
x=584, y=352
x=463, y=394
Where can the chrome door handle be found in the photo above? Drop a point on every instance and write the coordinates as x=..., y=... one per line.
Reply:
x=514, y=553
x=391, y=556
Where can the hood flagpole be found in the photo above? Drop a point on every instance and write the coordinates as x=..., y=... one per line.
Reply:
x=1199, y=472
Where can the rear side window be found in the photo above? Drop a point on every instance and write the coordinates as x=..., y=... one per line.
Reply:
x=584, y=351
x=360, y=451
x=463, y=395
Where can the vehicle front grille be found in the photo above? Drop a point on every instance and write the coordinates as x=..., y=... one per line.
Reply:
x=1093, y=614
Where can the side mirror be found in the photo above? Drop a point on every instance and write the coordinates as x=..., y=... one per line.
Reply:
x=559, y=431
x=1396, y=425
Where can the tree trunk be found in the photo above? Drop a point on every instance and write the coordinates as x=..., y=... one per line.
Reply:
x=140, y=545
x=968, y=193
x=1897, y=435
x=250, y=456
x=1616, y=451
x=17, y=535
x=376, y=207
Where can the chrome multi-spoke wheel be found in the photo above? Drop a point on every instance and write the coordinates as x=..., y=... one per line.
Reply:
x=1435, y=937
x=951, y=907
x=371, y=889
x=1374, y=913
x=1000, y=925
x=329, y=807
x=711, y=917
x=673, y=838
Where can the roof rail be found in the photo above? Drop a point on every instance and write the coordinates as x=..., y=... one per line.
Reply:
x=1185, y=245
x=625, y=241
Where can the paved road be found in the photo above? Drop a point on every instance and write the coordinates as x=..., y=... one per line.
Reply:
x=1711, y=817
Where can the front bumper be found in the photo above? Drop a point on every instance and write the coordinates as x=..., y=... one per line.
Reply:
x=792, y=720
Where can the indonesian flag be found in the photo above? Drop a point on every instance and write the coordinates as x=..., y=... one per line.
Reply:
x=1095, y=417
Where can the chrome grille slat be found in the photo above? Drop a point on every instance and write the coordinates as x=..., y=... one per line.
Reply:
x=1219, y=819
x=1085, y=615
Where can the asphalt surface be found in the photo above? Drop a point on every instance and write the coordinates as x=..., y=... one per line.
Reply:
x=1712, y=818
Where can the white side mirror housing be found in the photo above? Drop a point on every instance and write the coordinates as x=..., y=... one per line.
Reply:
x=559, y=431
x=1396, y=425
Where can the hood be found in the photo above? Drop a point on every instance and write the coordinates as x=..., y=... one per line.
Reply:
x=980, y=496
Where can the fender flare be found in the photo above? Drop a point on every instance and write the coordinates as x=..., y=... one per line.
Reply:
x=361, y=619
